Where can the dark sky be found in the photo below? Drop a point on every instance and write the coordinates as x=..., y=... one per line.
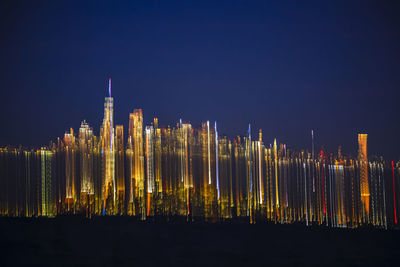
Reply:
x=284, y=67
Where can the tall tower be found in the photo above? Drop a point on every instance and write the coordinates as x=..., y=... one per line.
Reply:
x=157, y=156
x=363, y=159
x=70, y=157
x=137, y=196
x=276, y=178
x=85, y=140
x=150, y=168
x=46, y=200
x=119, y=167
x=107, y=150
x=184, y=137
x=260, y=167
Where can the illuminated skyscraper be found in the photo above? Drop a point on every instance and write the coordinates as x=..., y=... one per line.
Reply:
x=210, y=194
x=150, y=182
x=46, y=199
x=249, y=175
x=70, y=169
x=269, y=183
x=363, y=160
x=85, y=140
x=157, y=157
x=119, y=167
x=109, y=189
x=225, y=177
x=137, y=198
x=276, y=180
x=260, y=167
x=97, y=160
x=186, y=176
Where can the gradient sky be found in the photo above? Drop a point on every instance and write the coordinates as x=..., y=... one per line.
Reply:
x=282, y=66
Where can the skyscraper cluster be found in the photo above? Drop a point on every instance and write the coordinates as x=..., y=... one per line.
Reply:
x=197, y=174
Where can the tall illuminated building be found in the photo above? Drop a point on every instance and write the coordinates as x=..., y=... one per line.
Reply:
x=97, y=175
x=186, y=176
x=277, y=206
x=249, y=175
x=137, y=176
x=166, y=164
x=109, y=190
x=129, y=182
x=210, y=194
x=269, y=182
x=85, y=141
x=119, y=167
x=150, y=181
x=260, y=167
x=363, y=161
x=70, y=169
x=226, y=203
x=240, y=177
x=208, y=183
x=157, y=157
x=46, y=199
x=216, y=162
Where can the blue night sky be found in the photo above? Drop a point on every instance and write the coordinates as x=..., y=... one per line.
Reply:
x=284, y=67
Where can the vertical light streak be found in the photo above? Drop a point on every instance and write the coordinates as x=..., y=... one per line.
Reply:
x=285, y=170
x=181, y=154
x=305, y=191
x=187, y=173
x=250, y=167
x=330, y=195
x=250, y=170
x=216, y=159
x=312, y=143
x=323, y=181
x=111, y=139
x=150, y=166
x=363, y=161
x=341, y=196
x=131, y=167
x=384, y=199
x=43, y=182
x=394, y=196
x=259, y=170
x=27, y=174
x=209, y=152
x=337, y=214
x=313, y=177
x=276, y=173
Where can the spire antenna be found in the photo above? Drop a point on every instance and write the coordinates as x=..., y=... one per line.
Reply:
x=109, y=87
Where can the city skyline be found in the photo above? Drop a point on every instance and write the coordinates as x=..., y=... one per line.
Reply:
x=196, y=173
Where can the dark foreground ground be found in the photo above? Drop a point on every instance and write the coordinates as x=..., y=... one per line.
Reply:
x=124, y=241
